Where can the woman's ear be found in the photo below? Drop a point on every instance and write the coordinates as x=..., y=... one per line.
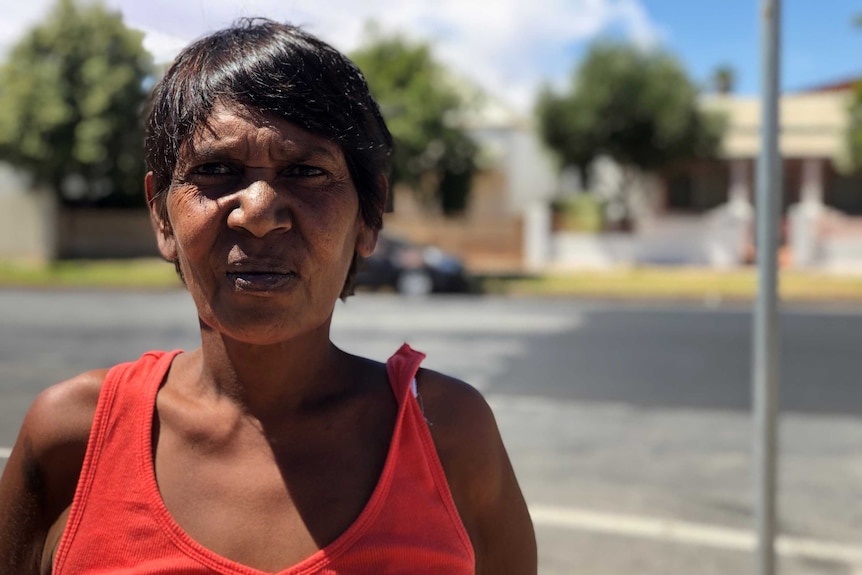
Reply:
x=160, y=223
x=366, y=240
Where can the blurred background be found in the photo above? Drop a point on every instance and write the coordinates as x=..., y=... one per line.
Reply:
x=577, y=176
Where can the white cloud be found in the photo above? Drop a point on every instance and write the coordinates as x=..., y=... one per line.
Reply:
x=508, y=46
x=162, y=46
x=641, y=29
x=17, y=18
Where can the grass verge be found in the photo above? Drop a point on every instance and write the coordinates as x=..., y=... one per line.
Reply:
x=132, y=274
x=679, y=283
x=635, y=283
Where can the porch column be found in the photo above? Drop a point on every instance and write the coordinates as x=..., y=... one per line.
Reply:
x=739, y=191
x=804, y=218
x=812, y=182
x=728, y=236
x=537, y=236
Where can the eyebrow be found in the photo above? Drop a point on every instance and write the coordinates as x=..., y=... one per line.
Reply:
x=223, y=148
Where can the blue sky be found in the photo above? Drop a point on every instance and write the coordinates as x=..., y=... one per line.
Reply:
x=819, y=42
x=511, y=47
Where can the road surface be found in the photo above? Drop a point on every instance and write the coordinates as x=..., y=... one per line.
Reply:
x=628, y=424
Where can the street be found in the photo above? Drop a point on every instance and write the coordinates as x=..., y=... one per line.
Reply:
x=628, y=424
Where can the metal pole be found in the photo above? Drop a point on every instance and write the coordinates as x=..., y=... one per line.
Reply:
x=765, y=365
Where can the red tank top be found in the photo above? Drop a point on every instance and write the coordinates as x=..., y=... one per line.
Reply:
x=118, y=523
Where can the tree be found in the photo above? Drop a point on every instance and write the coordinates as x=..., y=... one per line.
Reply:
x=637, y=108
x=71, y=93
x=852, y=159
x=724, y=79
x=424, y=111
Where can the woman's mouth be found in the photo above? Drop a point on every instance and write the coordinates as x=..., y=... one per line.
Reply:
x=261, y=281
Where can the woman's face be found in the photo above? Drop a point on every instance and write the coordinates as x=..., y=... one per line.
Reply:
x=264, y=221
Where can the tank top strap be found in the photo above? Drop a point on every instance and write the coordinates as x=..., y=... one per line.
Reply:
x=125, y=402
x=401, y=369
x=133, y=387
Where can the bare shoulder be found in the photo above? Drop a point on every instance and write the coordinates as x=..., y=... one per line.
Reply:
x=58, y=422
x=479, y=473
x=467, y=439
x=455, y=410
x=39, y=480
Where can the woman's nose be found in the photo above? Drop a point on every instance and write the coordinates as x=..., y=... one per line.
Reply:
x=261, y=209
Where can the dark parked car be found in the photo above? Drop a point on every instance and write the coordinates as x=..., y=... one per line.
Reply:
x=411, y=268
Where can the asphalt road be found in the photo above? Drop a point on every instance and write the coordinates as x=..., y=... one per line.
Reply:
x=628, y=424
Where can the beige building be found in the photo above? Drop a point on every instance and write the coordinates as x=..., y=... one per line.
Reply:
x=702, y=213
x=812, y=144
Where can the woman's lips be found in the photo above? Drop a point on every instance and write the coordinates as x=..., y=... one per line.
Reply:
x=255, y=281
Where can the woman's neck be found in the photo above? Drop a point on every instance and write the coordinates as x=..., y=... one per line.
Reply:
x=296, y=375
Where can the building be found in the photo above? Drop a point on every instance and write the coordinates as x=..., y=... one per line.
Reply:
x=515, y=172
x=702, y=213
x=812, y=144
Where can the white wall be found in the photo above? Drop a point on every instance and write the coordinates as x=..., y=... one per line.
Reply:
x=516, y=150
x=532, y=171
x=27, y=217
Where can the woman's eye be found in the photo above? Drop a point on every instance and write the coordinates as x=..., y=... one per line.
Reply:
x=213, y=169
x=303, y=171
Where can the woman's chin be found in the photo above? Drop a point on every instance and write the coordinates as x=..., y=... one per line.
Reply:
x=262, y=329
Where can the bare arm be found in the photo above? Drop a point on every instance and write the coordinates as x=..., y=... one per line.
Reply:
x=480, y=476
x=39, y=480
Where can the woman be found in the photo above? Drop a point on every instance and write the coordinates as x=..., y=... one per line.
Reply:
x=267, y=449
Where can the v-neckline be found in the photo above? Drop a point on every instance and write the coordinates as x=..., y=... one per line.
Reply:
x=219, y=563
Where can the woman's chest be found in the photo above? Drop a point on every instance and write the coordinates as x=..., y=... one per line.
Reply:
x=267, y=504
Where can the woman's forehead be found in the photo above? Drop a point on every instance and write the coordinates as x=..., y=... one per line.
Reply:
x=239, y=129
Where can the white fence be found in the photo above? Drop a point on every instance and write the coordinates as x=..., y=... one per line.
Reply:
x=715, y=239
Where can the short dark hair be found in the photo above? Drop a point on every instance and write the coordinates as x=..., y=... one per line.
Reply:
x=272, y=69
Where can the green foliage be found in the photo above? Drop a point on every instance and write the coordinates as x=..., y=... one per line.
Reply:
x=724, y=79
x=639, y=108
x=433, y=153
x=71, y=93
x=581, y=212
x=852, y=160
